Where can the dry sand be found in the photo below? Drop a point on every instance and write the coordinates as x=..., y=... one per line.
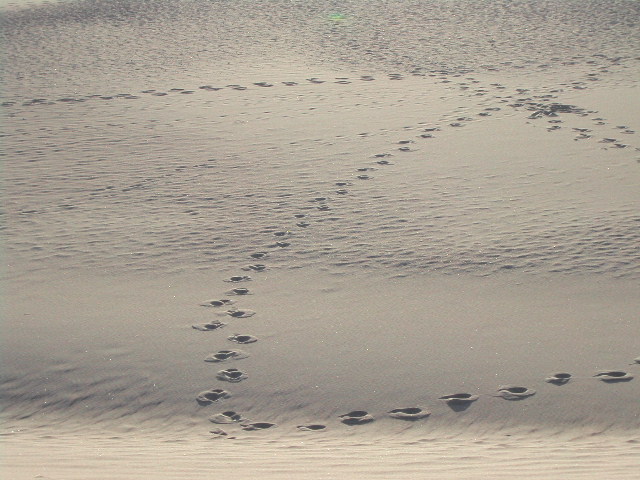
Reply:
x=445, y=204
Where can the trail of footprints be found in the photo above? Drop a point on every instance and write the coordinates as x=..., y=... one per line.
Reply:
x=540, y=107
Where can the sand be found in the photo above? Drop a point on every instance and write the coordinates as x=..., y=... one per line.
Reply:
x=386, y=240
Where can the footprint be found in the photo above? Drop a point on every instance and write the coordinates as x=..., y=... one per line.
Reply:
x=263, y=84
x=239, y=291
x=257, y=426
x=225, y=418
x=283, y=234
x=240, y=313
x=232, y=375
x=259, y=255
x=382, y=155
x=299, y=215
x=509, y=392
x=280, y=245
x=290, y=84
x=210, y=396
x=459, y=402
x=363, y=177
x=242, y=339
x=238, y=278
x=342, y=192
x=324, y=208
x=302, y=224
x=311, y=428
x=384, y=162
x=255, y=268
x=343, y=184
x=411, y=413
x=559, y=378
x=224, y=355
x=207, y=327
x=356, y=417
x=217, y=303
x=219, y=433
x=612, y=376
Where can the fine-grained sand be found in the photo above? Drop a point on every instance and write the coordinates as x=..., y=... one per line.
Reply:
x=389, y=239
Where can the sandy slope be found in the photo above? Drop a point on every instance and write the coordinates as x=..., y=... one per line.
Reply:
x=433, y=221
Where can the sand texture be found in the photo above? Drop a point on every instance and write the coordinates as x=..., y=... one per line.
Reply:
x=386, y=239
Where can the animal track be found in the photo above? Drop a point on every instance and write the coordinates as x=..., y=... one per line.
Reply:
x=224, y=355
x=509, y=392
x=217, y=303
x=257, y=426
x=356, y=417
x=255, y=268
x=613, y=376
x=219, y=433
x=227, y=417
x=210, y=396
x=239, y=291
x=240, y=313
x=411, y=413
x=232, y=375
x=559, y=378
x=207, y=327
x=238, y=278
x=311, y=427
x=459, y=398
x=242, y=339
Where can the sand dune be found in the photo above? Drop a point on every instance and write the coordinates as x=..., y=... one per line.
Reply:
x=389, y=241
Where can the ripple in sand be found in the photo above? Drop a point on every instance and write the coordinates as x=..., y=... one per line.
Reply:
x=314, y=427
x=612, y=376
x=509, y=392
x=257, y=426
x=225, y=418
x=238, y=278
x=240, y=313
x=356, y=417
x=217, y=303
x=242, y=339
x=411, y=413
x=224, y=355
x=558, y=378
x=232, y=375
x=207, y=327
x=210, y=396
